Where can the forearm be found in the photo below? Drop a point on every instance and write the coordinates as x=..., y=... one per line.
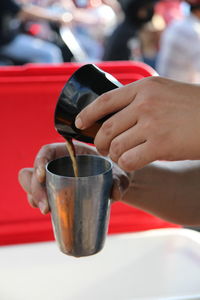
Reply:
x=39, y=13
x=169, y=190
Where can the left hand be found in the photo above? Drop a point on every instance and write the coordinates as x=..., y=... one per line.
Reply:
x=32, y=180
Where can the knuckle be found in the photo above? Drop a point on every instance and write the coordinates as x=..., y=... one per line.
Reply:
x=144, y=106
x=149, y=89
x=146, y=125
x=125, y=164
x=100, y=146
x=150, y=124
x=44, y=155
x=37, y=195
x=31, y=200
x=41, y=154
x=44, y=148
x=115, y=148
x=107, y=127
x=104, y=98
x=104, y=102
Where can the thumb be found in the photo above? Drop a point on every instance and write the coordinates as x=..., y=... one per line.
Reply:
x=45, y=154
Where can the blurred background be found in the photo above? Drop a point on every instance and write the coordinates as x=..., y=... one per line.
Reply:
x=102, y=30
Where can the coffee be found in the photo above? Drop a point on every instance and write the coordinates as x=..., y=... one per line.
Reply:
x=72, y=154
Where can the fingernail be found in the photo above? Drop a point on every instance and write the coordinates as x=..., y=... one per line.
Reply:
x=40, y=172
x=78, y=123
x=43, y=207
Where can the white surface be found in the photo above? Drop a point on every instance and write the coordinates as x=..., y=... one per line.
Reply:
x=154, y=265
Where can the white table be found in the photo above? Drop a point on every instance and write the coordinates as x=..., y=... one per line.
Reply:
x=153, y=265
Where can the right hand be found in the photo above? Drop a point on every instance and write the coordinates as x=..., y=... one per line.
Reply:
x=32, y=180
x=154, y=119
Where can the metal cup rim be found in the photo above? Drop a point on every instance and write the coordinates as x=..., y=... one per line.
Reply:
x=81, y=177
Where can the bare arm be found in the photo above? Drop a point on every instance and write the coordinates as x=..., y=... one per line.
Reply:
x=169, y=190
x=39, y=13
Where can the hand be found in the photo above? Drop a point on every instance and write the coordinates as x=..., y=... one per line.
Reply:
x=32, y=180
x=155, y=119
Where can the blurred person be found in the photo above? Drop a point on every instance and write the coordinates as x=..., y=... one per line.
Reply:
x=22, y=47
x=149, y=37
x=92, y=20
x=124, y=43
x=95, y=20
x=170, y=10
x=179, y=53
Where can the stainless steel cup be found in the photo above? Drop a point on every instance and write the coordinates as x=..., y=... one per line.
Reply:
x=80, y=206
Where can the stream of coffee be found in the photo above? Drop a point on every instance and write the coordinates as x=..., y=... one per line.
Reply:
x=72, y=154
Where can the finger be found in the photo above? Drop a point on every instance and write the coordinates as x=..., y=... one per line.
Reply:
x=60, y=149
x=82, y=148
x=31, y=200
x=106, y=104
x=24, y=177
x=45, y=154
x=117, y=124
x=127, y=140
x=137, y=157
x=39, y=196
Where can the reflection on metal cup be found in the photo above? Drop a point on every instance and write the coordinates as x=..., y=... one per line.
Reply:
x=80, y=206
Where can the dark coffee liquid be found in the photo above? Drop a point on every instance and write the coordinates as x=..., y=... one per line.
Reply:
x=72, y=154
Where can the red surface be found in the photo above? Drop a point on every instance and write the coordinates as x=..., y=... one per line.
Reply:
x=28, y=96
x=117, y=68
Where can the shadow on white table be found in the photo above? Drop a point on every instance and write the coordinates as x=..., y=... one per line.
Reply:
x=161, y=264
